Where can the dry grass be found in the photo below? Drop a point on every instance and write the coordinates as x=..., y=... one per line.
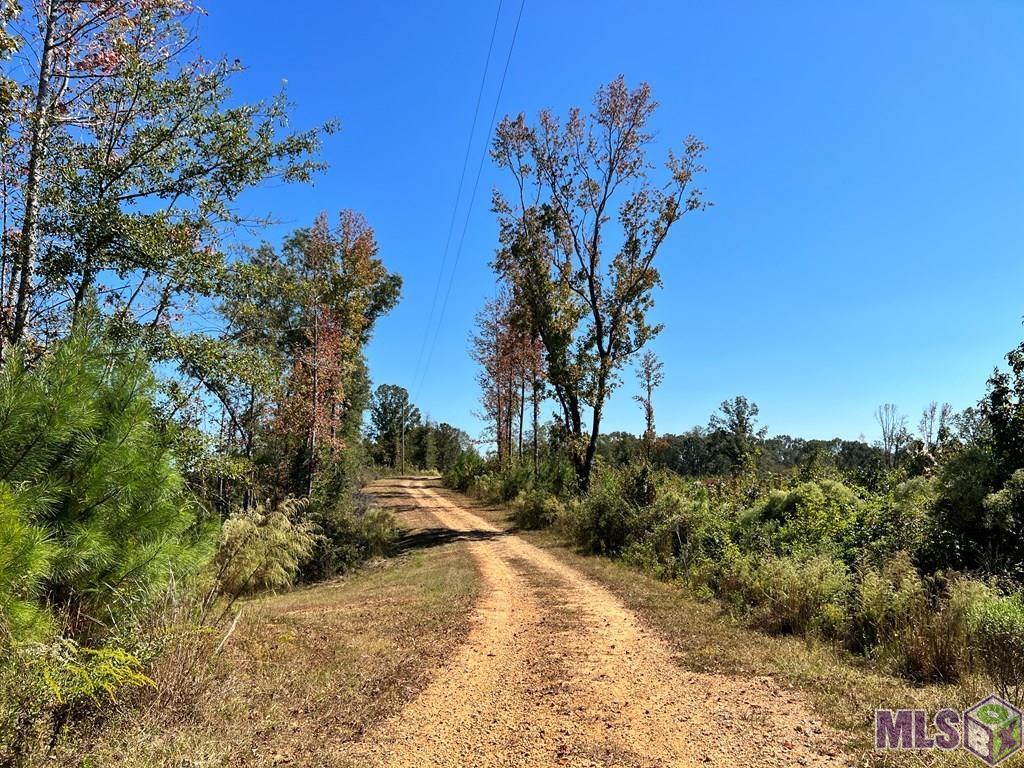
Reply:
x=305, y=673
x=844, y=689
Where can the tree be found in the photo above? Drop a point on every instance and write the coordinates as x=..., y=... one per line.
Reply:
x=121, y=175
x=736, y=428
x=511, y=366
x=94, y=517
x=392, y=416
x=449, y=443
x=650, y=377
x=301, y=317
x=894, y=432
x=585, y=289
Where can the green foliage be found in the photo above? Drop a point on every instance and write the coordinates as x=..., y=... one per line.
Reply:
x=801, y=596
x=896, y=522
x=44, y=685
x=467, y=467
x=536, y=509
x=262, y=549
x=392, y=418
x=679, y=536
x=812, y=517
x=94, y=510
x=347, y=536
x=917, y=626
x=998, y=632
x=497, y=484
x=603, y=519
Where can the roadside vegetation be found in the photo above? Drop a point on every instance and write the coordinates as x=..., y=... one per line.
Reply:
x=906, y=551
x=180, y=415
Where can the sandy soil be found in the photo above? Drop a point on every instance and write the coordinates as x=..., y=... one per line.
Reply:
x=557, y=672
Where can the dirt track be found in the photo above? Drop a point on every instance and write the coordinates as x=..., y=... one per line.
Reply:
x=556, y=672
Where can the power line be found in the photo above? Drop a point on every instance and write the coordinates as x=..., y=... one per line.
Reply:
x=458, y=195
x=472, y=197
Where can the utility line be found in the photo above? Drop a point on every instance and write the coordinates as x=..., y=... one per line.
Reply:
x=472, y=198
x=458, y=197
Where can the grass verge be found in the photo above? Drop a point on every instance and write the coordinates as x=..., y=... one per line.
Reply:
x=305, y=673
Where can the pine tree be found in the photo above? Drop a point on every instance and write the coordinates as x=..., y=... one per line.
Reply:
x=94, y=515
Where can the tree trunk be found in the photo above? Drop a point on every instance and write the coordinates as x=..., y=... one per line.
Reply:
x=313, y=404
x=536, y=429
x=522, y=413
x=33, y=179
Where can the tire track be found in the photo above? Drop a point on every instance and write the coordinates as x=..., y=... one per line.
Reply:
x=557, y=672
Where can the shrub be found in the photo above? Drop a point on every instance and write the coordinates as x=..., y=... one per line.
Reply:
x=536, y=509
x=466, y=469
x=896, y=522
x=262, y=549
x=679, y=536
x=918, y=627
x=997, y=625
x=812, y=517
x=602, y=521
x=501, y=484
x=43, y=686
x=348, y=534
x=798, y=596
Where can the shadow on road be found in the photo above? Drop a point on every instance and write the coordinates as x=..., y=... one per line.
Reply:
x=424, y=538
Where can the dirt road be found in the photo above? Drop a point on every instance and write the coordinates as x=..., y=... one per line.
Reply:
x=557, y=672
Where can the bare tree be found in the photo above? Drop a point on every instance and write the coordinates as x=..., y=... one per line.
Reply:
x=894, y=432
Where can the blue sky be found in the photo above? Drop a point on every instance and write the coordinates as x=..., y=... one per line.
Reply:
x=866, y=161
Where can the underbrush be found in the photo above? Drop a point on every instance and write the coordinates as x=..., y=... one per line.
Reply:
x=58, y=689
x=815, y=558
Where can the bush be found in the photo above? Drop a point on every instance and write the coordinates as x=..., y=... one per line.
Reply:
x=801, y=596
x=602, y=521
x=536, y=509
x=678, y=536
x=498, y=485
x=812, y=517
x=262, y=549
x=348, y=534
x=918, y=627
x=896, y=522
x=997, y=626
x=466, y=469
x=43, y=686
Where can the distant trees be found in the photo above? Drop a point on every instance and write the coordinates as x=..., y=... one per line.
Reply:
x=584, y=289
x=735, y=426
x=895, y=436
x=401, y=439
x=436, y=446
x=392, y=416
x=511, y=374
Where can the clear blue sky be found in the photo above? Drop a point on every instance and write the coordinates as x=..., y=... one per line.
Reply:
x=866, y=163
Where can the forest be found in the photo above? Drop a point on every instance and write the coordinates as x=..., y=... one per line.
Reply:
x=188, y=418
